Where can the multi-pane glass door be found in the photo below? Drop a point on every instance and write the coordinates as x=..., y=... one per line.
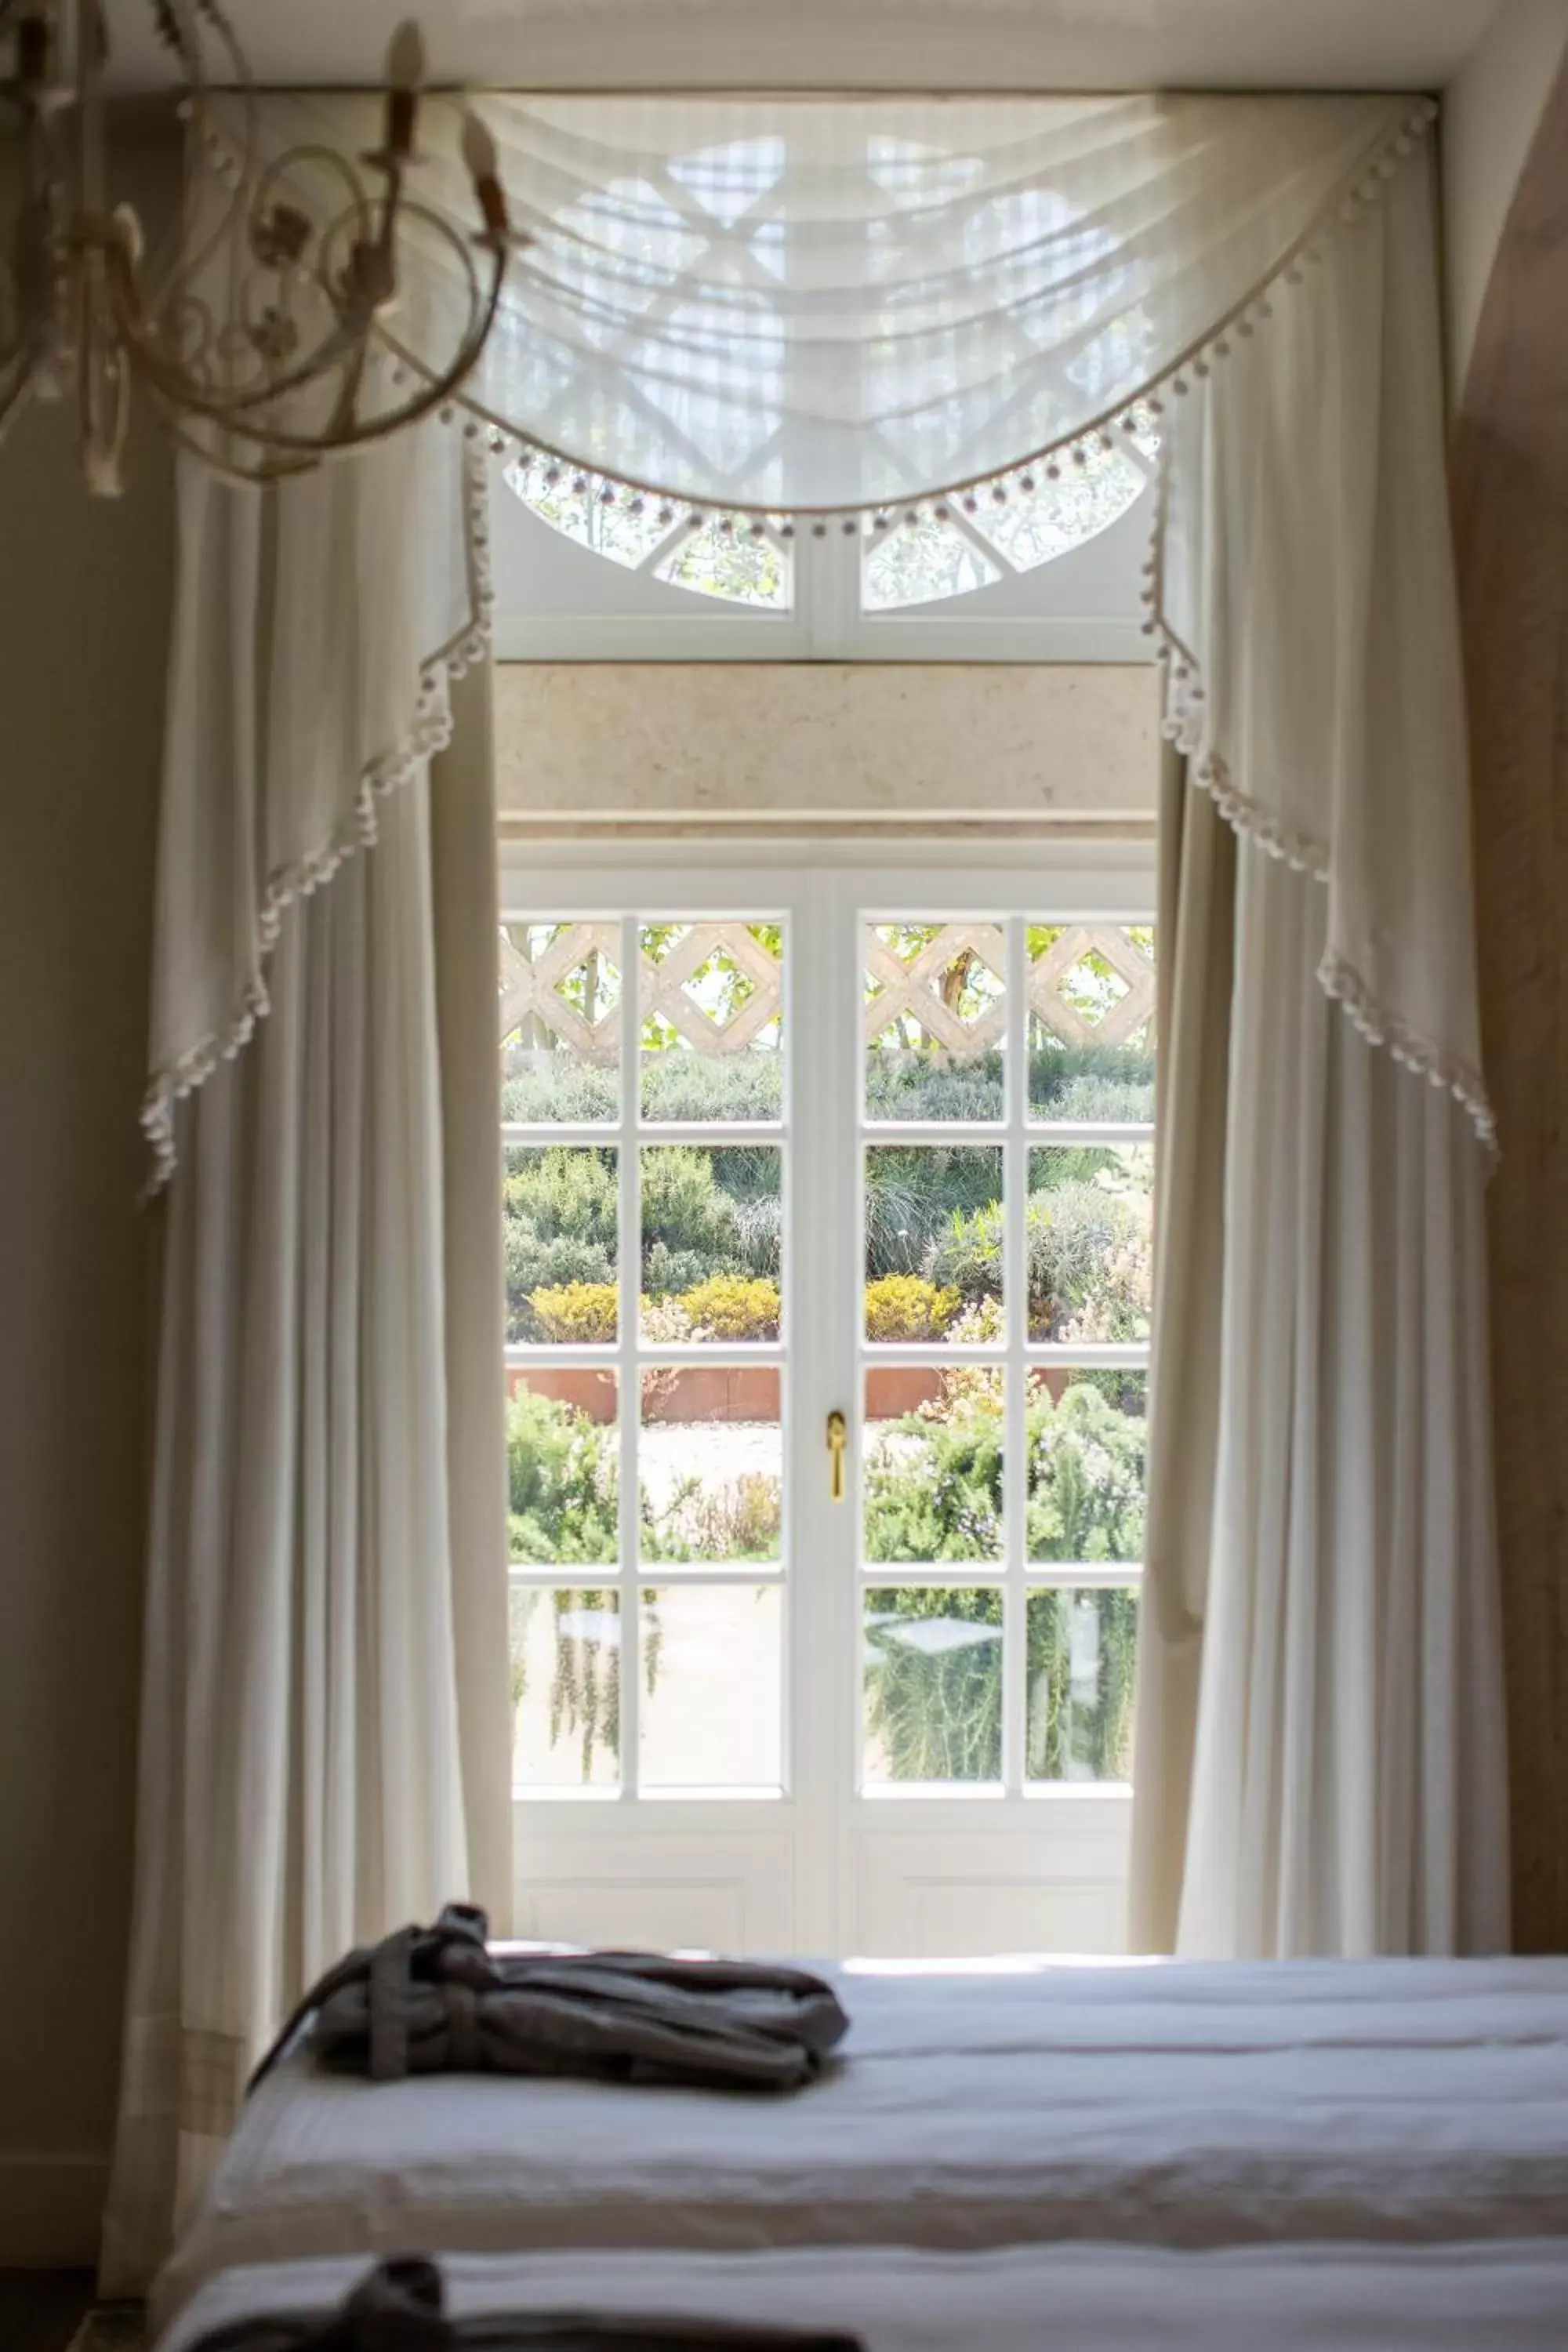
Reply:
x=1006, y=1203
x=828, y=1198
x=646, y=1144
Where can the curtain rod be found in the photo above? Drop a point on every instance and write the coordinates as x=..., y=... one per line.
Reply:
x=804, y=94
x=736, y=826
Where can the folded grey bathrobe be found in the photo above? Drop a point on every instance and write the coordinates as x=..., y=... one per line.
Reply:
x=399, y=2307
x=429, y=2001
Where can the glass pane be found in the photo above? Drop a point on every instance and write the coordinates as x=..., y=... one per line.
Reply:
x=559, y=1216
x=565, y=1688
x=933, y=1685
x=712, y=1696
x=916, y=563
x=730, y=563
x=935, y=1020
x=560, y=1022
x=932, y=1473
x=563, y=1449
x=711, y=1009
x=1091, y=1233
x=617, y=523
x=1088, y=1437
x=1091, y=1021
x=1040, y=519
x=713, y=1235
x=934, y=1242
x=710, y=1462
x=1082, y=1656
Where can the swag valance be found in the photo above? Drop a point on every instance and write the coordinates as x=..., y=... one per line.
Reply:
x=785, y=308
x=779, y=309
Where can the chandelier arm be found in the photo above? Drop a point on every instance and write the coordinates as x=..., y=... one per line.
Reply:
x=256, y=336
x=353, y=331
x=16, y=372
x=275, y=442
x=147, y=325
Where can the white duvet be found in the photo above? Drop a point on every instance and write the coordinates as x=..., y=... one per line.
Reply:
x=1500, y=2298
x=1005, y=2104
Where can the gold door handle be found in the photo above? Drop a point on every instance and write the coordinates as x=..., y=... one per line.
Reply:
x=837, y=1439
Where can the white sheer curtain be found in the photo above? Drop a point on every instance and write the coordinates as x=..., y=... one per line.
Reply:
x=830, y=304
x=785, y=305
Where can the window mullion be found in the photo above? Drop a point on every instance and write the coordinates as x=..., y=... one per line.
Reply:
x=630, y=1385
x=1015, y=1469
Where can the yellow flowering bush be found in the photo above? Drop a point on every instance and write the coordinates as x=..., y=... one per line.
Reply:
x=579, y=1314
x=733, y=1307
x=907, y=1307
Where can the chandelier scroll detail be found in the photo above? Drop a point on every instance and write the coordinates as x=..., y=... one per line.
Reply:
x=312, y=251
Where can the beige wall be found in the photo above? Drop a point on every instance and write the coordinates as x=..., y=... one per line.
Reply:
x=84, y=593
x=1511, y=480
x=630, y=744
x=1489, y=114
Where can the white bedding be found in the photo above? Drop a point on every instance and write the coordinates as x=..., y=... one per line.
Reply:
x=976, y=2107
x=1498, y=2298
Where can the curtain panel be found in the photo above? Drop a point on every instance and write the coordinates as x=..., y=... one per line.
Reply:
x=325, y=1718
x=318, y=625
x=775, y=310
x=1321, y=1740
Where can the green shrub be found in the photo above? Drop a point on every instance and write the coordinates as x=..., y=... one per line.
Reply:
x=562, y=1190
x=684, y=1206
x=680, y=1085
x=759, y=1231
x=540, y=1087
x=733, y=1307
x=1130, y=1098
x=1088, y=1082
x=562, y=1490
x=666, y=1272
x=907, y=1083
x=906, y=1306
x=580, y=1314
x=534, y=1266
x=1087, y=1252
x=1087, y=1464
x=740, y=1521
x=912, y=1196
x=934, y=1487
x=934, y=1479
x=1075, y=1733
x=558, y=1210
x=1091, y=1081
x=968, y=1255
x=935, y=1707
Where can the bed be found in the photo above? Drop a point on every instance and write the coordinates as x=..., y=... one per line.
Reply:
x=1412, y=2109
x=1495, y=2298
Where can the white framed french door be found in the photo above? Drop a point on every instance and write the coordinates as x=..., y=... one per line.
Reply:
x=829, y=1185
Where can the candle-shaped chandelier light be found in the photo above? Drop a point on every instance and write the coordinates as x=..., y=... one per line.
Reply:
x=282, y=375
